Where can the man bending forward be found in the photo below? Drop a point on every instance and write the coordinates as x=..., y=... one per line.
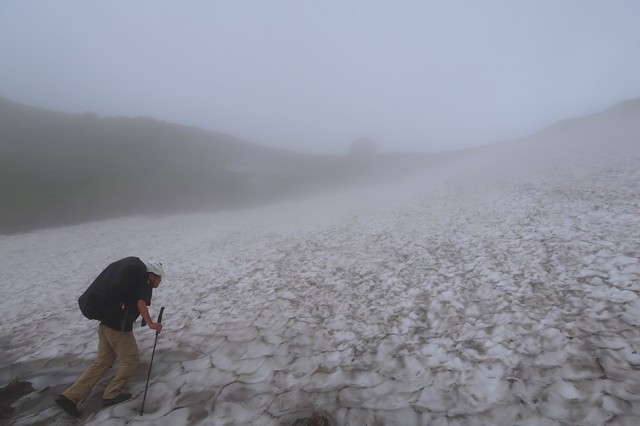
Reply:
x=129, y=283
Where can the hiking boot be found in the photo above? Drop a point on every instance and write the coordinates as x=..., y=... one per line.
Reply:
x=68, y=406
x=117, y=400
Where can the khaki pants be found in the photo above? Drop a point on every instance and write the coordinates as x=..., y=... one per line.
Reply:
x=112, y=344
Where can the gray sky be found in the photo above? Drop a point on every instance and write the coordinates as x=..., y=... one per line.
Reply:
x=314, y=75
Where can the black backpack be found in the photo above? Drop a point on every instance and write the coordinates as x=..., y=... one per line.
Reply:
x=105, y=294
x=93, y=300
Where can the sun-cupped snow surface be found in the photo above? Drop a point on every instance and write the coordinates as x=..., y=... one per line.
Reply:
x=490, y=291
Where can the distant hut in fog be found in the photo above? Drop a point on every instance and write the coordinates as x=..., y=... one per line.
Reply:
x=363, y=146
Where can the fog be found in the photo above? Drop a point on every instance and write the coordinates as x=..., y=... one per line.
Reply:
x=498, y=287
x=314, y=76
x=473, y=258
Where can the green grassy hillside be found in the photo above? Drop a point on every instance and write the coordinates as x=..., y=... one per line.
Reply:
x=58, y=168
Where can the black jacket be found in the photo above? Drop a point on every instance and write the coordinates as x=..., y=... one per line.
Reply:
x=126, y=282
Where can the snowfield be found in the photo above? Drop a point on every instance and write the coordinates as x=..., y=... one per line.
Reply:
x=498, y=289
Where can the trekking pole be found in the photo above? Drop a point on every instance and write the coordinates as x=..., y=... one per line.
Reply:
x=151, y=363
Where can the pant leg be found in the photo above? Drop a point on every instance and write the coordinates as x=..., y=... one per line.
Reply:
x=125, y=346
x=88, y=379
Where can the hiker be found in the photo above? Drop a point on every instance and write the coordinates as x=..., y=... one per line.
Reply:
x=117, y=297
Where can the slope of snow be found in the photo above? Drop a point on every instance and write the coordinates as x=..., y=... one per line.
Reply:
x=500, y=289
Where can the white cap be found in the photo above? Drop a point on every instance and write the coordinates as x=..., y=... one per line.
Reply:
x=154, y=267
